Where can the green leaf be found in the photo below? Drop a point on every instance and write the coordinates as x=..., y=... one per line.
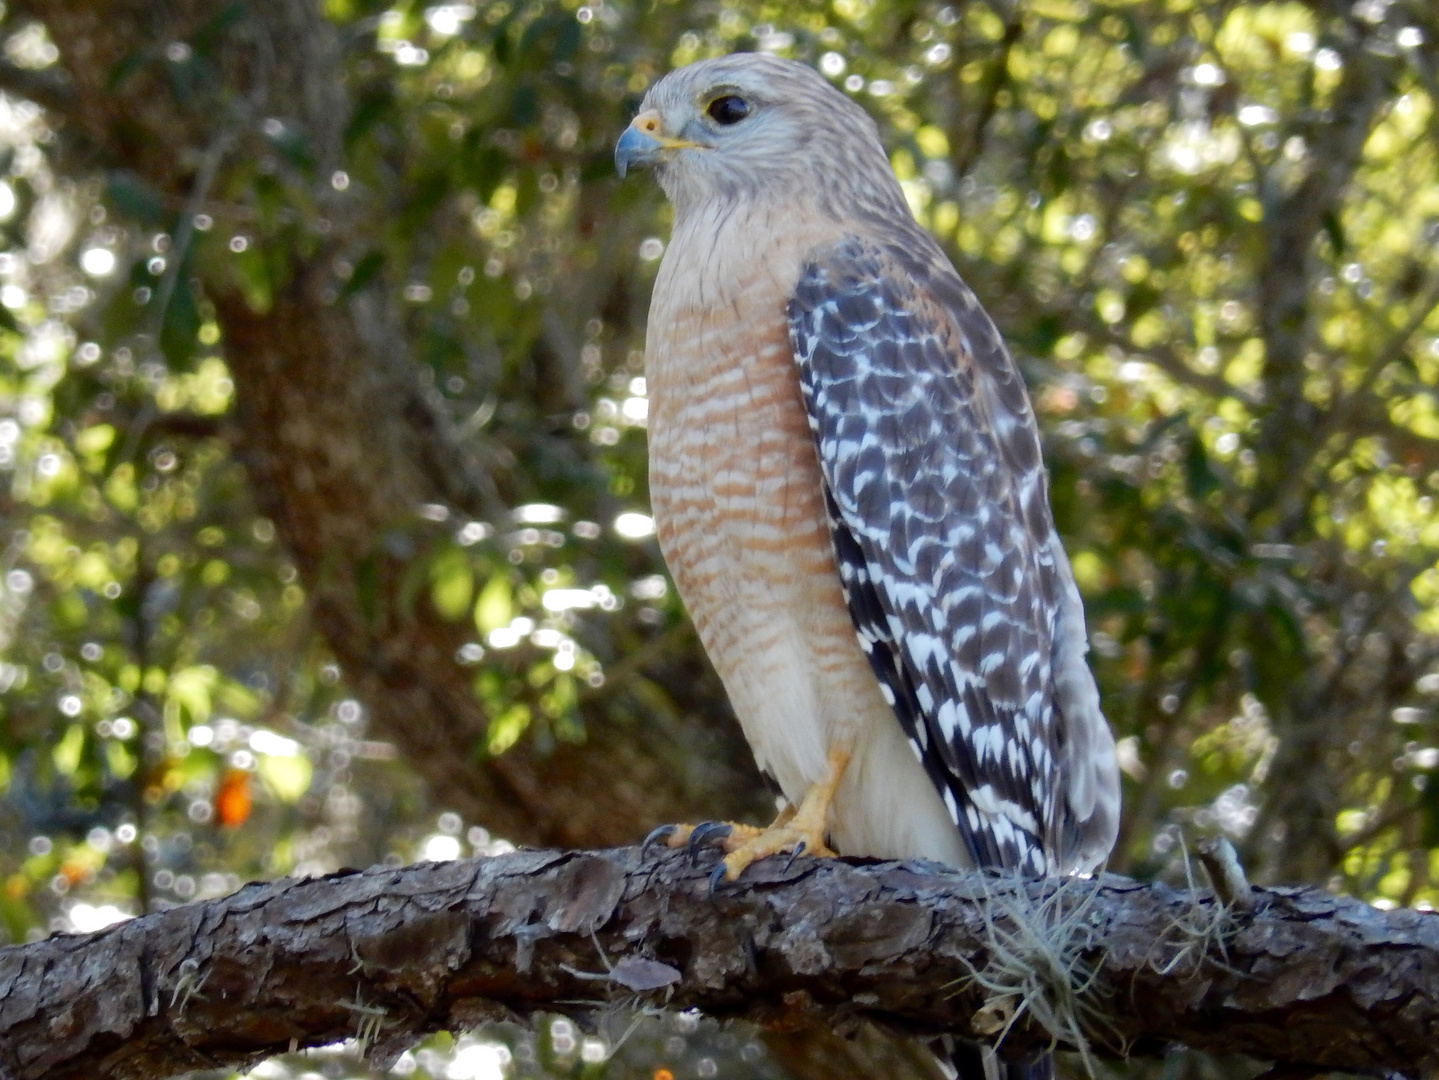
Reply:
x=181, y=324
x=1044, y=335
x=1429, y=808
x=212, y=31
x=1197, y=470
x=364, y=270
x=134, y=198
x=452, y=584
x=428, y=194
x=1334, y=229
x=294, y=148
x=507, y=727
x=496, y=605
x=372, y=108
x=1142, y=297
x=190, y=689
x=68, y=750
x=287, y=777
x=567, y=40
x=524, y=106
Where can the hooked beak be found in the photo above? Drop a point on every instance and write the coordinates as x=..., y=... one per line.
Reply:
x=644, y=143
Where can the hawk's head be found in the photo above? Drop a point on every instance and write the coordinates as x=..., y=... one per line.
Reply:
x=754, y=126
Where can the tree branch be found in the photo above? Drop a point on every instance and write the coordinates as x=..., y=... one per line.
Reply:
x=968, y=140
x=46, y=87
x=1340, y=417
x=1301, y=977
x=1292, y=219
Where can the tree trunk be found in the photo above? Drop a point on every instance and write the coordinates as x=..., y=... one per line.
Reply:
x=342, y=444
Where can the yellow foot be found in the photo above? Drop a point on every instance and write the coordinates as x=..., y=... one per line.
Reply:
x=801, y=832
x=724, y=834
x=798, y=832
x=795, y=838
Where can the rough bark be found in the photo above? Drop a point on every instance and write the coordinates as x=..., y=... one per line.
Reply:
x=341, y=441
x=1297, y=976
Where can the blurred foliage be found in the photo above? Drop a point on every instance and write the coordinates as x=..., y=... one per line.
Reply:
x=1208, y=231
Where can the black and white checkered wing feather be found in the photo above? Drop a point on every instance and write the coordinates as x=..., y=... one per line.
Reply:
x=959, y=589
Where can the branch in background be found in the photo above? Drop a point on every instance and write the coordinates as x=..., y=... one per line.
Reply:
x=46, y=87
x=1341, y=417
x=1307, y=979
x=968, y=140
x=1292, y=220
x=1160, y=354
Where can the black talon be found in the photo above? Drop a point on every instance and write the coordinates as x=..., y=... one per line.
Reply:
x=795, y=854
x=707, y=832
x=663, y=832
x=716, y=876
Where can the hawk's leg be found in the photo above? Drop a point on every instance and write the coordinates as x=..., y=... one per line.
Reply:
x=798, y=831
x=801, y=832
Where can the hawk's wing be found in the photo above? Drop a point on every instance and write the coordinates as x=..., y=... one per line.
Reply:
x=957, y=583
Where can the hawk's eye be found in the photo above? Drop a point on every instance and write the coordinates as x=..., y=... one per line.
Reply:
x=729, y=109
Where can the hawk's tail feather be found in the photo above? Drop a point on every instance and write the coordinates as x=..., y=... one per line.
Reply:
x=964, y=1059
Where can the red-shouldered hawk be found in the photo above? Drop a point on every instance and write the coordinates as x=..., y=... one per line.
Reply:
x=847, y=487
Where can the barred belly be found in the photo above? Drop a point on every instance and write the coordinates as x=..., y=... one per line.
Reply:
x=739, y=510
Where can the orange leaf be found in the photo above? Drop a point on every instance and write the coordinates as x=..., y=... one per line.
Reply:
x=232, y=801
